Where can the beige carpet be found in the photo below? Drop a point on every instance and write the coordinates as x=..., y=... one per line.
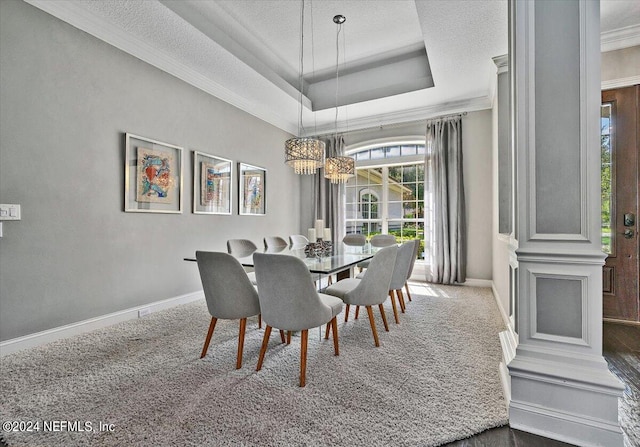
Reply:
x=433, y=380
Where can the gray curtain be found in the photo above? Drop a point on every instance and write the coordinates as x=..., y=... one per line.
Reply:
x=446, y=222
x=329, y=198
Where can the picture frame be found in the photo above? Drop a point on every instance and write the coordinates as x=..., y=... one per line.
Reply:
x=152, y=176
x=251, y=190
x=212, y=184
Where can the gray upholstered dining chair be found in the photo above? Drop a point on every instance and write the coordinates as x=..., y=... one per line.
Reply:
x=274, y=242
x=372, y=289
x=298, y=240
x=240, y=248
x=400, y=271
x=354, y=240
x=289, y=301
x=416, y=248
x=378, y=240
x=228, y=292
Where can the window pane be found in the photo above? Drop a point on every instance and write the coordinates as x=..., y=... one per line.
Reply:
x=409, y=173
x=409, y=150
x=420, y=172
x=421, y=149
x=364, y=155
x=377, y=153
x=395, y=173
x=393, y=151
x=605, y=176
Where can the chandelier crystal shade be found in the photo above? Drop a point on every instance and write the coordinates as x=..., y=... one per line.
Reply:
x=338, y=169
x=304, y=154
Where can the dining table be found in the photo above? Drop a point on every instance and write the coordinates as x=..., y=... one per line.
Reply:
x=339, y=259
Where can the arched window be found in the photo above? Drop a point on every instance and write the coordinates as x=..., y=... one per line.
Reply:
x=387, y=193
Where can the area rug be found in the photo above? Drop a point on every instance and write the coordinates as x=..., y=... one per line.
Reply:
x=434, y=379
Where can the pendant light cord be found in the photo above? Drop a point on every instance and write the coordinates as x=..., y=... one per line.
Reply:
x=301, y=130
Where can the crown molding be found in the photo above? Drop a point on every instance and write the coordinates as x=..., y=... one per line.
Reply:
x=620, y=38
x=416, y=114
x=622, y=82
x=88, y=22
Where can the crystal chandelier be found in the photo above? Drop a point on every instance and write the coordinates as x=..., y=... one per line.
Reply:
x=338, y=169
x=304, y=154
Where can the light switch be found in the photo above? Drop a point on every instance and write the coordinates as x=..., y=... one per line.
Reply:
x=9, y=212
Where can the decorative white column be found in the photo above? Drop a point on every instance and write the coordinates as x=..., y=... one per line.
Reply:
x=560, y=384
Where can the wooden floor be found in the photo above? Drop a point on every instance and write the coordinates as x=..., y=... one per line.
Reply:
x=621, y=349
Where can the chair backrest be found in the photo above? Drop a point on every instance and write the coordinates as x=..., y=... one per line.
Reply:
x=374, y=287
x=240, y=248
x=288, y=299
x=274, y=241
x=382, y=240
x=353, y=239
x=416, y=248
x=298, y=239
x=403, y=263
x=227, y=288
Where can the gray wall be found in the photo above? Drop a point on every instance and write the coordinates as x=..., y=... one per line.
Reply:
x=478, y=183
x=66, y=99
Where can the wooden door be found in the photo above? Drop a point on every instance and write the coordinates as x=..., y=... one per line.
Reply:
x=620, y=160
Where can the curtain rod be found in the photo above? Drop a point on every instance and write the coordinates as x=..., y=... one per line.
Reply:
x=425, y=121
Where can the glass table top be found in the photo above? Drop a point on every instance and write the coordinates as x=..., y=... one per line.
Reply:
x=340, y=257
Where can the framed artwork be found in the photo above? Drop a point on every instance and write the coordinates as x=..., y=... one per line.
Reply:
x=212, y=184
x=152, y=176
x=251, y=190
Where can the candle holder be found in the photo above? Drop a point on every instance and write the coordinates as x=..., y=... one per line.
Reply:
x=318, y=249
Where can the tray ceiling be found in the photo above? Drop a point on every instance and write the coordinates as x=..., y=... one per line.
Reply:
x=400, y=60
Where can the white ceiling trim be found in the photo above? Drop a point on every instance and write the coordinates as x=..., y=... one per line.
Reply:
x=622, y=82
x=416, y=114
x=620, y=38
x=107, y=32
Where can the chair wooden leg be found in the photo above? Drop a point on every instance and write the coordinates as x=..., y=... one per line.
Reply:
x=357, y=312
x=288, y=337
x=373, y=326
x=303, y=357
x=400, y=299
x=406, y=287
x=259, y=321
x=393, y=305
x=243, y=328
x=326, y=330
x=263, y=349
x=212, y=326
x=346, y=313
x=384, y=317
x=282, y=335
x=334, y=326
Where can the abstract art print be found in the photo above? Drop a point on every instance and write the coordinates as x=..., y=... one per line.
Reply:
x=153, y=176
x=252, y=188
x=212, y=178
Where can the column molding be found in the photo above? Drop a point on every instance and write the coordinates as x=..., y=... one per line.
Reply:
x=560, y=385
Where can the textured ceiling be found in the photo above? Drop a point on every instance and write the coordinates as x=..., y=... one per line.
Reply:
x=247, y=52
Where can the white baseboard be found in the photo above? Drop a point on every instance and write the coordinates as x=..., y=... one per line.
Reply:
x=81, y=327
x=472, y=282
x=503, y=312
x=564, y=426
